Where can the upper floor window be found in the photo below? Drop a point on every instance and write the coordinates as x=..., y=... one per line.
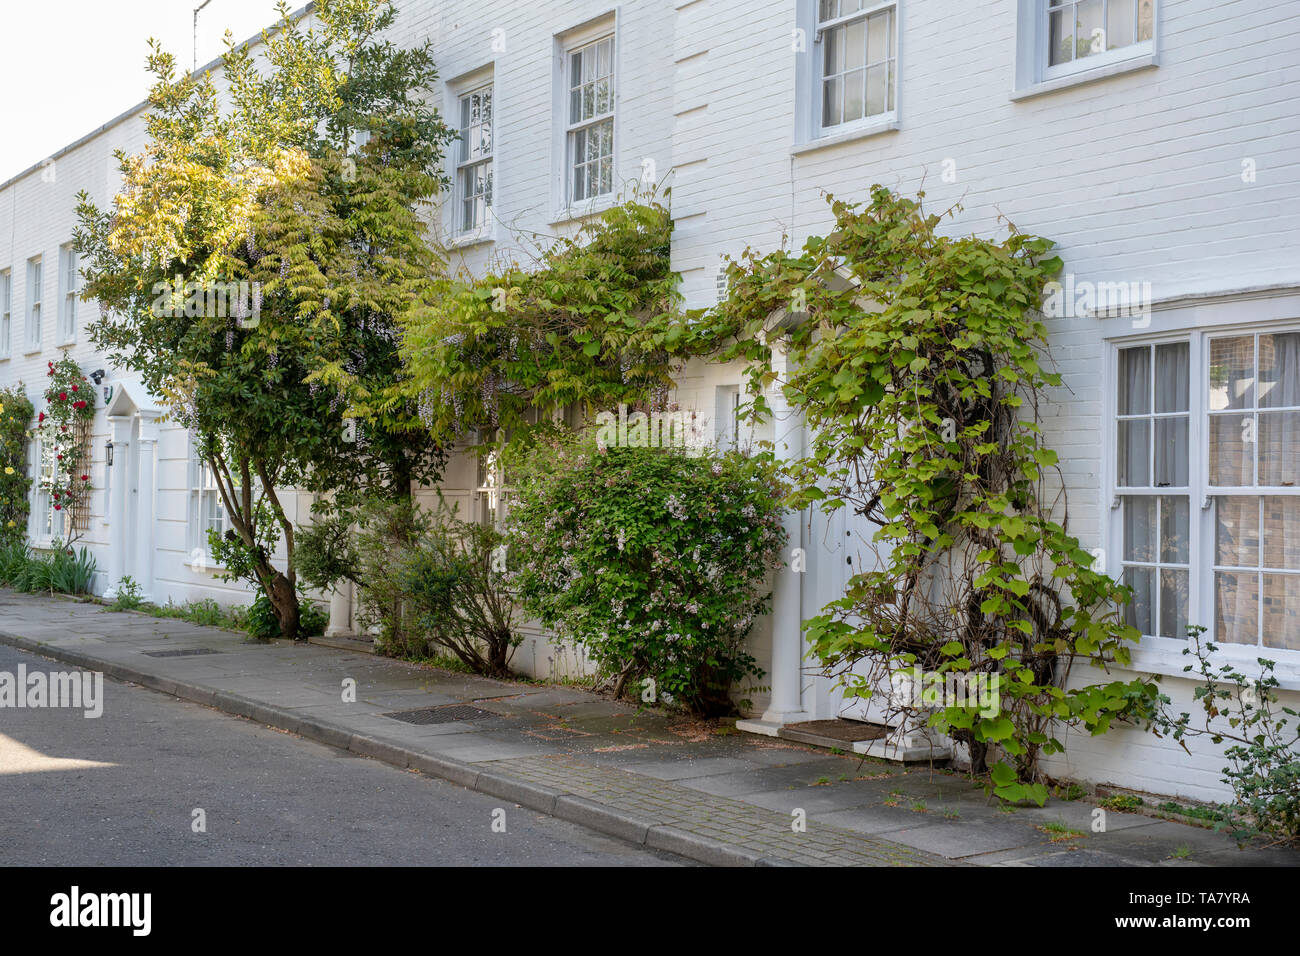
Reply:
x=590, y=87
x=35, y=279
x=1207, y=486
x=1077, y=29
x=474, y=168
x=857, y=53
x=68, y=289
x=6, y=310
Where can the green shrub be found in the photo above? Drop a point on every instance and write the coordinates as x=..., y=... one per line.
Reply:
x=453, y=579
x=128, y=595
x=16, y=413
x=61, y=571
x=654, y=559
x=260, y=620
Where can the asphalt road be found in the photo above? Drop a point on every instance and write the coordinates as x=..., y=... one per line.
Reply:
x=122, y=789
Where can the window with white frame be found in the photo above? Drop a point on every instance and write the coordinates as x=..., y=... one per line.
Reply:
x=6, y=311
x=207, y=509
x=590, y=136
x=490, y=491
x=1078, y=29
x=474, y=168
x=1207, y=485
x=47, y=514
x=857, y=61
x=68, y=288
x=35, y=278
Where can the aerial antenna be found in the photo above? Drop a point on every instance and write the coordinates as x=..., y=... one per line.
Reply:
x=196, y=34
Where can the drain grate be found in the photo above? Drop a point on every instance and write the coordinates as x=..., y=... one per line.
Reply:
x=187, y=652
x=441, y=715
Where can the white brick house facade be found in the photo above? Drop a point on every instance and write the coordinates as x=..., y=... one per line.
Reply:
x=1170, y=160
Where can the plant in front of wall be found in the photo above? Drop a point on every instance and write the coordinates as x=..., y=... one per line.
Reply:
x=16, y=411
x=64, y=428
x=917, y=360
x=655, y=560
x=1244, y=710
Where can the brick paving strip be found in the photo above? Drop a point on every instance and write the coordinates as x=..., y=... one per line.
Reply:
x=239, y=678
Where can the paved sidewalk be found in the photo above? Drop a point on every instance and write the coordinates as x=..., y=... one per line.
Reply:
x=665, y=782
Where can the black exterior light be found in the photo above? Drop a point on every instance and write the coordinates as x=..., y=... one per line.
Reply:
x=108, y=453
x=97, y=375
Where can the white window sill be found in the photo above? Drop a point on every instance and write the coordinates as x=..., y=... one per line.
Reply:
x=1164, y=655
x=1129, y=64
x=476, y=238
x=208, y=566
x=583, y=210
x=865, y=131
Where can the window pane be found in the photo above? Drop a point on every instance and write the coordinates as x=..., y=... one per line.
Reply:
x=1174, y=529
x=1140, y=611
x=1236, y=532
x=1135, y=381
x=878, y=37
x=1232, y=454
x=1119, y=23
x=877, y=90
x=1279, y=449
x=1236, y=608
x=1144, y=20
x=829, y=10
x=1135, y=453
x=855, y=45
x=833, y=41
x=853, y=94
x=1060, y=37
x=831, y=105
x=1139, y=528
x=1171, y=452
x=1089, y=31
x=1281, y=527
x=1173, y=603
x=1282, y=611
x=1279, y=370
x=1173, y=374
x=1232, y=373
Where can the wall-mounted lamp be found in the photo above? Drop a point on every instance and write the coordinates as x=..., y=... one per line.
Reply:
x=108, y=453
x=97, y=375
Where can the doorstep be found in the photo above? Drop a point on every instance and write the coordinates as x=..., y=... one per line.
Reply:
x=872, y=740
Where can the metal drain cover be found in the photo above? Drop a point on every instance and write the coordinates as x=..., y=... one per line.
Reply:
x=186, y=652
x=441, y=715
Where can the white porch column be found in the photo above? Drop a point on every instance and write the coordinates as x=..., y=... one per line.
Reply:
x=786, y=672
x=340, y=610
x=118, y=534
x=144, y=539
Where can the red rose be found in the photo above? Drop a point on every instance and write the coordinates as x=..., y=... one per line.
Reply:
x=58, y=507
x=85, y=477
x=56, y=496
x=74, y=388
x=78, y=404
x=40, y=417
x=60, y=458
x=63, y=396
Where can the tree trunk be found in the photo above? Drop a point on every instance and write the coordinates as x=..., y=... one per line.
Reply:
x=284, y=603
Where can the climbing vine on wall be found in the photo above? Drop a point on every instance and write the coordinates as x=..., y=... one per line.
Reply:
x=918, y=361
x=64, y=428
x=16, y=412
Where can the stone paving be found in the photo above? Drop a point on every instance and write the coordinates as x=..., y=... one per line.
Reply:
x=706, y=792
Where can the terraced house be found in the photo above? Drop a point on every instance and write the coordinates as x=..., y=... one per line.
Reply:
x=1155, y=141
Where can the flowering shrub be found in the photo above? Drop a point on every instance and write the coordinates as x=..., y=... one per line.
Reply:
x=64, y=427
x=15, y=413
x=654, y=559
